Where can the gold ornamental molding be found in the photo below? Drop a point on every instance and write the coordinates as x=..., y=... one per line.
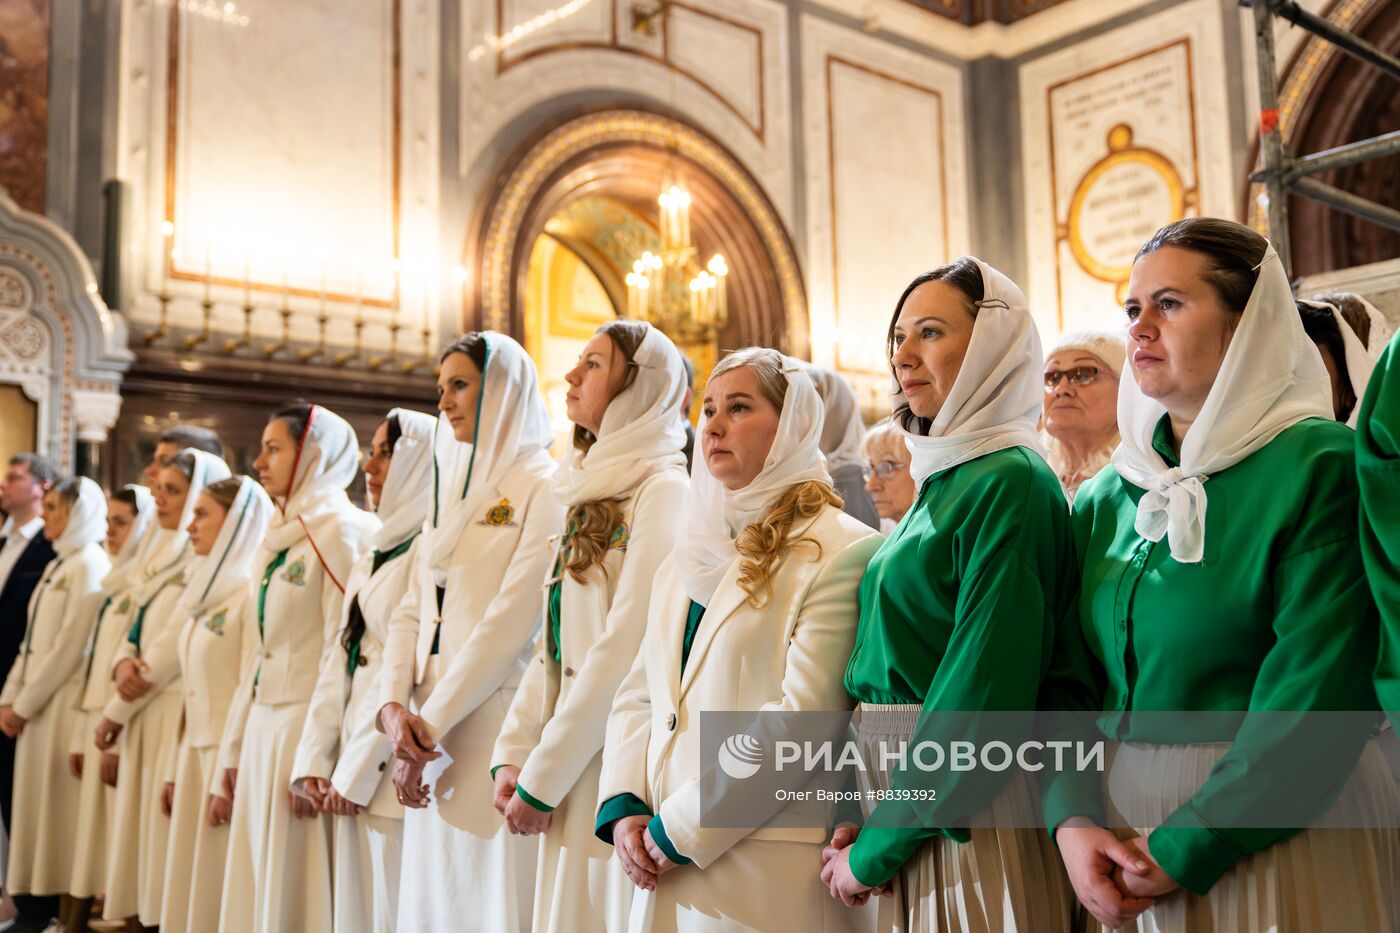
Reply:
x=612, y=128
x=1121, y=153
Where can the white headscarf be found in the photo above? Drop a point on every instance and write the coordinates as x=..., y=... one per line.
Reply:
x=407, y=494
x=842, y=429
x=327, y=457
x=87, y=519
x=640, y=433
x=1360, y=357
x=995, y=401
x=167, y=549
x=715, y=515
x=512, y=423
x=124, y=563
x=1271, y=377
x=229, y=565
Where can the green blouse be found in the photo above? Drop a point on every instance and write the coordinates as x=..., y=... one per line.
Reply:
x=1276, y=617
x=957, y=613
x=1378, y=470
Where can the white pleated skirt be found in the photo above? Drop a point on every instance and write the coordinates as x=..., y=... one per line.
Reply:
x=758, y=886
x=278, y=877
x=1007, y=878
x=95, y=803
x=140, y=832
x=44, y=817
x=1322, y=879
x=462, y=869
x=368, y=860
x=196, y=856
x=579, y=884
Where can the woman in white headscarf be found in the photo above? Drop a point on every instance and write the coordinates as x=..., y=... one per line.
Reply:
x=1224, y=543
x=754, y=610
x=145, y=712
x=342, y=760
x=957, y=614
x=216, y=645
x=1350, y=333
x=458, y=643
x=130, y=513
x=278, y=875
x=843, y=434
x=624, y=487
x=40, y=693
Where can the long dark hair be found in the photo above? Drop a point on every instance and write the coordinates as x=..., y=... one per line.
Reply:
x=1233, y=250
x=963, y=274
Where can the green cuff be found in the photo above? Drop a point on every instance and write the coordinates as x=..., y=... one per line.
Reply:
x=614, y=809
x=494, y=769
x=533, y=801
x=1067, y=795
x=1192, y=853
x=879, y=852
x=663, y=841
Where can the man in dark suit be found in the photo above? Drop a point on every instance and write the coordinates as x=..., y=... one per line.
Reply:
x=24, y=553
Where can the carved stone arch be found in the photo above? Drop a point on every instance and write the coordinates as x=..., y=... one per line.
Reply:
x=621, y=153
x=58, y=339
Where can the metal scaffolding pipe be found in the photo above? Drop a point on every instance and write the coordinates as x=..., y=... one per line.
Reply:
x=1270, y=139
x=1348, y=42
x=1338, y=157
x=1346, y=201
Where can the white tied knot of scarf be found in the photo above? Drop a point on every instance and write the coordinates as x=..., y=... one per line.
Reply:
x=1270, y=378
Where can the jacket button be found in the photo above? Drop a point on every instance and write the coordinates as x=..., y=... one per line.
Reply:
x=568, y=672
x=381, y=765
x=671, y=722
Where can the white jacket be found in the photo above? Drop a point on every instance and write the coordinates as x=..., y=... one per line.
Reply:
x=62, y=612
x=789, y=655
x=301, y=616
x=339, y=740
x=216, y=649
x=160, y=647
x=558, y=718
x=487, y=627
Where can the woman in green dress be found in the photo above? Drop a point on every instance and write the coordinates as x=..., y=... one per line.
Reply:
x=957, y=615
x=1255, y=608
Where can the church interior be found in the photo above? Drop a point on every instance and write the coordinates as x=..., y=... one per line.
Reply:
x=210, y=208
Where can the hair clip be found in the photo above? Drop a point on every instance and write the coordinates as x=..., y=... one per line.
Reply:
x=992, y=303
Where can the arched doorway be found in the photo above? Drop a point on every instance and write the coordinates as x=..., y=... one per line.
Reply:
x=579, y=203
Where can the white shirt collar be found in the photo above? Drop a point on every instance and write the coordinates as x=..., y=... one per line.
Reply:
x=27, y=531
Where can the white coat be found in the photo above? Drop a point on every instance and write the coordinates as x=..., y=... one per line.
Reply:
x=216, y=649
x=278, y=875
x=149, y=739
x=42, y=688
x=556, y=724
x=791, y=655
x=96, y=801
x=459, y=858
x=341, y=742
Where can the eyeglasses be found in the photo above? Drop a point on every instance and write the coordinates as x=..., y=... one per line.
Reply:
x=1079, y=376
x=884, y=469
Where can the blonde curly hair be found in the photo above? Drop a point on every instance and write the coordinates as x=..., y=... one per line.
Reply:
x=762, y=544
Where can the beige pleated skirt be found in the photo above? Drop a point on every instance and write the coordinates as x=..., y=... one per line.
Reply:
x=368, y=859
x=459, y=860
x=44, y=817
x=196, y=855
x=95, y=801
x=1004, y=879
x=278, y=876
x=139, y=830
x=1318, y=881
x=579, y=884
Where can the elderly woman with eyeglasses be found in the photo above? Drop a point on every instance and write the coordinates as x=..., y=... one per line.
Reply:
x=1079, y=415
x=886, y=473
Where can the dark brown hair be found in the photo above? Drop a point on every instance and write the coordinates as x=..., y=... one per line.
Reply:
x=190, y=435
x=473, y=344
x=225, y=491
x=963, y=274
x=296, y=416
x=1233, y=250
x=67, y=489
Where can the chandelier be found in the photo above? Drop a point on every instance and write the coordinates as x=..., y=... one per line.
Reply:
x=670, y=289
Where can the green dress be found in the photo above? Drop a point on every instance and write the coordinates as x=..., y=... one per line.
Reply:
x=957, y=613
x=1378, y=471
x=1276, y=617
